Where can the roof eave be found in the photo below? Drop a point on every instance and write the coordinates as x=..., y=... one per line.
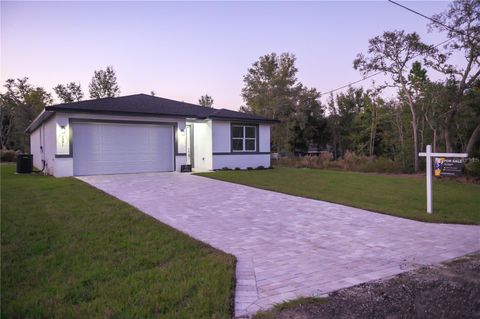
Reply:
x=231, y=118
x=90, y=111
x=44, y=116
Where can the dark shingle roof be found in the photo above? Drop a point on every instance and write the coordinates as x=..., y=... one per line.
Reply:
x=143, y=104
x=146, y=105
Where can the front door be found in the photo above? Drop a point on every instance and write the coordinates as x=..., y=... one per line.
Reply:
x=189, y=133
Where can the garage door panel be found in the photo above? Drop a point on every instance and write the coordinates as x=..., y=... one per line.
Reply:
x=111, y=148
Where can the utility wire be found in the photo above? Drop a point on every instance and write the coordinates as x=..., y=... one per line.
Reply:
x=377, y=73
x=374, y=74
x=351, y=83
x=426, y=17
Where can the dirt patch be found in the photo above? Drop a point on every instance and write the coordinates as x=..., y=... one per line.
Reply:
x=449, y=290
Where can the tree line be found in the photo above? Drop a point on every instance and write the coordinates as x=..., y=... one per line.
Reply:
x=22, y=102
x=444, y=113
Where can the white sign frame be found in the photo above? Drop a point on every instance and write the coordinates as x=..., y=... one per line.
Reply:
x=428, y=154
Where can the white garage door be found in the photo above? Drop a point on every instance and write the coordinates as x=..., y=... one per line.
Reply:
x=112, y=148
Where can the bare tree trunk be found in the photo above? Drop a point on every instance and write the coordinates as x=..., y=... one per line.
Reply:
x=414, y=127
x=422, y=135
x=398, y=122
x=446, y=135
x=434, y=129
x=415, y=143
x=373, y=130
x=473, y=140
x=448, y=123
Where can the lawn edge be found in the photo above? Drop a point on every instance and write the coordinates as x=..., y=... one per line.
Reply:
x=454, y=222
x=201, y=243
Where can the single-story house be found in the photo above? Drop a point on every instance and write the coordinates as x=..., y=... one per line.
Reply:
x=144, y=133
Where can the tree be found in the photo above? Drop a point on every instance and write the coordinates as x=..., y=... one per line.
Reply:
x=270, y=89
x=20, y=104
x=391, y=54
x=307, y=121
x=104, y=84
x=71, y=92
x=333, y=124
x=461, y=21
x=472, y=115
x=353, y=121
x=435, y=102
x=418, y=81
x=205, y=100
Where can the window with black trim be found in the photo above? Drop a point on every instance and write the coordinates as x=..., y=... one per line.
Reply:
x=244, y=138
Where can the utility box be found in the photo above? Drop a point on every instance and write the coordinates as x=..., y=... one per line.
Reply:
x=24, y=163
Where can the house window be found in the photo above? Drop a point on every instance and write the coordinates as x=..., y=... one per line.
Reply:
x=244, y=138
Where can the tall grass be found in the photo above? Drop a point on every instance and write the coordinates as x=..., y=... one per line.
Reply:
x=350, y=162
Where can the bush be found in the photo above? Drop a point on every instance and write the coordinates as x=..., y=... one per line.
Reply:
x=226, y=169
x=237, y=168
x=381, y=165
x=349, y=162
x=260, y=167
x=472, y=169
x=8, y=156
x=249, y=168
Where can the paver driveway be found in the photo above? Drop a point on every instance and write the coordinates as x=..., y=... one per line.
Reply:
x=288, y=246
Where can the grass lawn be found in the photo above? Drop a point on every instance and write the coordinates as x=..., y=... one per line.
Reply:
x=453, y=202
x=71, y=251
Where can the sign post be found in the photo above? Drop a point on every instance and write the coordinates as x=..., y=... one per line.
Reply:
x=428, y=154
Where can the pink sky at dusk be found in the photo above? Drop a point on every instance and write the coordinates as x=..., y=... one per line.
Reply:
x=182, y=50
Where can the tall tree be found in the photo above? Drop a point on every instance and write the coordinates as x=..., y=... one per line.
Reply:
x=205, y=100
x=269, y=89
x=20, y=104
x=418, y=81
x=333, y=124
x=307, y=121
x=391, y=54
x=472, y=115
x=354, y=116
x=461, y=21
x=104, y=84
x=71, y=92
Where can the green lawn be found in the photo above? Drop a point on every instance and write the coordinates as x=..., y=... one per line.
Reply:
x=71, y=251
x=453, y=202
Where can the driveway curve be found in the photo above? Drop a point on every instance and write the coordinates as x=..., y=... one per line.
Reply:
x=287, y=246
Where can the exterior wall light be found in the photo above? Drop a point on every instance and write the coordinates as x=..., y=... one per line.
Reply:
x=63, y=132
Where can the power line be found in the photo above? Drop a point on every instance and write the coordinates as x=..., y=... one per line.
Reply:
x=374, y=74
x=351, y=83
x=377, y=73
x=426, y=17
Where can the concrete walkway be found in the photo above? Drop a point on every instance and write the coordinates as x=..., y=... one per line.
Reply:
x=288, y=246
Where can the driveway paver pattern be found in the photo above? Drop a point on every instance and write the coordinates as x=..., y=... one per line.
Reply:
x=287, y=246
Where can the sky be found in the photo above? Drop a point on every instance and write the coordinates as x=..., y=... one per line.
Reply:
x=182, y=50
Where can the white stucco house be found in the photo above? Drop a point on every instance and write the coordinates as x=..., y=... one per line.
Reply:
x=143, y=133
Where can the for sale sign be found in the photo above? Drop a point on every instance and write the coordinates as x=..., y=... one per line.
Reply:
x=451, y=167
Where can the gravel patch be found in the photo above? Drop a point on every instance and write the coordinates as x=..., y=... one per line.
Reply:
x=448, y=290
